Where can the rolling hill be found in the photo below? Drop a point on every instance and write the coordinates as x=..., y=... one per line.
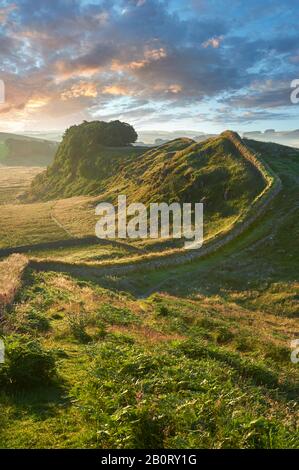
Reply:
x=191, y=355
x=19, y=150
x=214, y=172
x=181, y=170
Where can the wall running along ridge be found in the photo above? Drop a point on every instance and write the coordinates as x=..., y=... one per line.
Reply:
x=212, y=244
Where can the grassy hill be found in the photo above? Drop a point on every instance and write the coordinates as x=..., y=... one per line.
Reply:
x=196, y=355
x=17, y=150
x=213, y=172
x=181, y=170
x=160, y=372
x=258, y=270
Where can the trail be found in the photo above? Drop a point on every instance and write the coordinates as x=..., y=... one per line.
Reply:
x=59, y=224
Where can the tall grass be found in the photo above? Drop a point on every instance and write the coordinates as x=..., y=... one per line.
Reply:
x=11, y=272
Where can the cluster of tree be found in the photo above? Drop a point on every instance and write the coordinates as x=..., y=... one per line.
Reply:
x=83, y=146
x=89, y=151
x=108, y=134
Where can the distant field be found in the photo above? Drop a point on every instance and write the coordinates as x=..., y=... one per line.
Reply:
x=28, y=225
x=14, y=181
x=3, y=151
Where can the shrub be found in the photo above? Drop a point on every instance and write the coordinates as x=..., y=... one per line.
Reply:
x=77, y=324
x=224, y=336
x=277, y=353
x=162, y=311
x=102, y=329
x=245, y=343
x=27, y=363
x=32, y=321
x=116, y=315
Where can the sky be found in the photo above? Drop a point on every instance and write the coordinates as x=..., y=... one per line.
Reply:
x=202, y=65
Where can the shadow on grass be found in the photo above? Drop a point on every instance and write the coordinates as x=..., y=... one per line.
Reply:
x=41, y=402
x=258, y=373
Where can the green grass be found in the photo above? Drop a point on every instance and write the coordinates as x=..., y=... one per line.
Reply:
x=77, y=254
x=258, y=270
x=165, y=372
x=61, y=180
x=193, y=356
x=213, y=172
x=14, y=181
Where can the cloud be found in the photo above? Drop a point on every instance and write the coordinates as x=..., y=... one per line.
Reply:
x=5, y=12
x=116, y=90
x=262, y=94
x=213, y=42
x=80, y=89
x=79, y=57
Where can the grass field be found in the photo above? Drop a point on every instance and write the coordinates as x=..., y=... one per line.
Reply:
x=213, y=172
x=3, y=151
x=165, y=371
x=14, y=181
x=11, y=272
x=196, y=355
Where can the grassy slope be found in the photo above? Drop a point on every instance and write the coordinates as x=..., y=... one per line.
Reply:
x=205, y=364
x=3, y=151
x=28, y=225
x=11, y=272
x=213, y=172
x=14, y=181
x=60, y=182
x=260, y=268
x=23, y=224
x=159, y=372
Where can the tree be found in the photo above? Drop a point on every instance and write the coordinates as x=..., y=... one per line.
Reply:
x=109, y=134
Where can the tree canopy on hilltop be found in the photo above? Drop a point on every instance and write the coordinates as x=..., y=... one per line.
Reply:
x=90, y=151
x=109, y=134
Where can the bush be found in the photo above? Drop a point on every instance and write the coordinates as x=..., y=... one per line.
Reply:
x=77, y=324
x=277, y=353
x=31, y=321
x=224, y=336
x=27, y=363
x=162, y=311
x=245, y=343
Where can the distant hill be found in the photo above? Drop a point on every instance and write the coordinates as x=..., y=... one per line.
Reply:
x=18, y=150
x=289, y=138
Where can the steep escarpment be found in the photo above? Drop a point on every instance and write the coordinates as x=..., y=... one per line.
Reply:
x=213, y=172
x=87, y=157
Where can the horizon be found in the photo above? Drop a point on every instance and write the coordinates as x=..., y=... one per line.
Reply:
x=150, y=137
x=179, y=67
